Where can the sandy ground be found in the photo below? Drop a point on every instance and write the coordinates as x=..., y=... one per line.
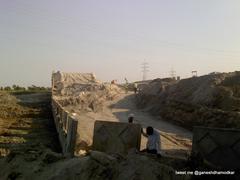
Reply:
x=173, y=138
x=175, y=141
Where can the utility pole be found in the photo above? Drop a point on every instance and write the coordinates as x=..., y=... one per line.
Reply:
x=145, y=67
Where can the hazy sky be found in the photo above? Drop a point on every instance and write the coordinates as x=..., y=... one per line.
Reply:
x=112, y=38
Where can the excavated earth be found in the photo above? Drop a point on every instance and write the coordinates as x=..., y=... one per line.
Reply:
x=212, y=100
x=26, y=121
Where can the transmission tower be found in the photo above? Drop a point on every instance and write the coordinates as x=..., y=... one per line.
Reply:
x=173, y=73
x=145, y=67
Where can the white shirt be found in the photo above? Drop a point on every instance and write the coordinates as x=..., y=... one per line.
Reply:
x=154, y=141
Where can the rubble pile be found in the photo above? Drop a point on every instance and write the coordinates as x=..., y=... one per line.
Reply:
x=211, y=100
x=82, y=90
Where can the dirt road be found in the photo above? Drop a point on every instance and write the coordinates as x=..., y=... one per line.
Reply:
x=174, y=139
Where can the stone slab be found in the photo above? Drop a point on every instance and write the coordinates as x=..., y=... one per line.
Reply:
x=116, y=137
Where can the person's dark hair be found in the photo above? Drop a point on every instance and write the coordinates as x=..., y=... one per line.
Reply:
x=130, y=119
x=149, y=130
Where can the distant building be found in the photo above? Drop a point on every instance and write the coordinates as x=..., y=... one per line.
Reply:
x=194, y=73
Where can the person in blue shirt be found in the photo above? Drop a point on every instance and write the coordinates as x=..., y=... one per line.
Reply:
x=153, y=145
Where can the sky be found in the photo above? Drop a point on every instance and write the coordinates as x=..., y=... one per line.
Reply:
x=113, y=38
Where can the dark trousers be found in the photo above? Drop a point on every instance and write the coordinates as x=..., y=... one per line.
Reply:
x=152, y=151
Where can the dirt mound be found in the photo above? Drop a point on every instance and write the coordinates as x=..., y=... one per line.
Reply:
x=211, y=100
x=83, y=90
x=96, y=165
x=9, y=106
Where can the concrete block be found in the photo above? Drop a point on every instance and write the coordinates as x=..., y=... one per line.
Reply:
x=71, y=135
x=221, y=147
x=116, y=137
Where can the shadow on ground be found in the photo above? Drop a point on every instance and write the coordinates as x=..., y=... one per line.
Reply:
x=32, y=127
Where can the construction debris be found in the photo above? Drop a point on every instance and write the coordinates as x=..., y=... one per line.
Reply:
x=83, y=91
x=211, y=100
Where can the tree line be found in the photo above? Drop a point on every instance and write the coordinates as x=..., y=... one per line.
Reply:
x=20, y=88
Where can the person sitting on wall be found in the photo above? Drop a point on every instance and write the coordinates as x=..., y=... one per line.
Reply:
x=153, y=141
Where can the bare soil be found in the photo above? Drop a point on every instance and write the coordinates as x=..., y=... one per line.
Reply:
x=212, y=100
x=26, y=122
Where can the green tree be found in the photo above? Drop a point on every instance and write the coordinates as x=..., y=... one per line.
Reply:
x=7, y=88
x=14, y=87
x=18, y=88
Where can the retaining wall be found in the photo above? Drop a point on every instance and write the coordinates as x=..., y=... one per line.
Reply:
x=66, y=127
x=219, y=146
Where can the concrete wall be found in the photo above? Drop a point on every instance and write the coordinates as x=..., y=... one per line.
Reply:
x=116, y=137
x=221, y=147
x=66, y=127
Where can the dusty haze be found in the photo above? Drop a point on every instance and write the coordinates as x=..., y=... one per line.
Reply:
x=112, y=39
